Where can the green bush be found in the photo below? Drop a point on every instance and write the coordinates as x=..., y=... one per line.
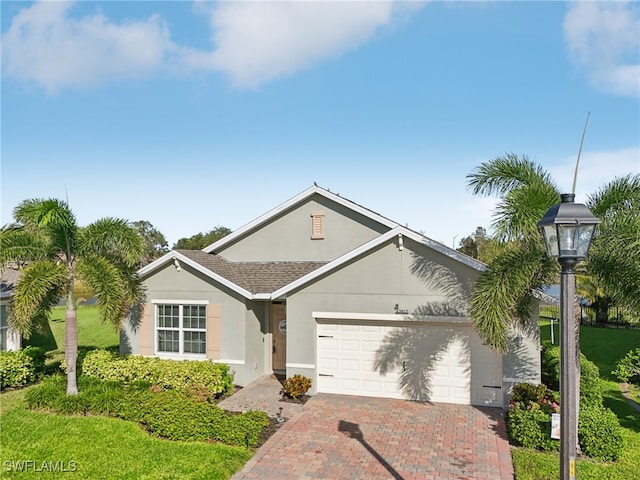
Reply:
x=173, y=415
x=38, y=357
x=203, y=377
x=550, y=369
x=590, y=384
x=18, y=368
x=295, y=387
x=599, y=433
x=170, y=414
x=628, y=368
x=531, y=428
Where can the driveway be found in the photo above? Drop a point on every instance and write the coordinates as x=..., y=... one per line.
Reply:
x=347, y=437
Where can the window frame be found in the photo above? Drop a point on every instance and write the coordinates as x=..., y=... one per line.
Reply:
x=4, y=327
x=181, y=304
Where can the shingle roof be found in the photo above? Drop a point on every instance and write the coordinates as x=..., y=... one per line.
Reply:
x=8, y=280
x=256, y=277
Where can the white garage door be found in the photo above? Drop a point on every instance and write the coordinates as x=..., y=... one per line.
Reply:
x=413, y=360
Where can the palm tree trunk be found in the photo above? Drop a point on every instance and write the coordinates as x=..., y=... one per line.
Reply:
x=71, y=344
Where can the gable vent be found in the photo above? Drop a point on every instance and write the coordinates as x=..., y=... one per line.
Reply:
x=317, y=225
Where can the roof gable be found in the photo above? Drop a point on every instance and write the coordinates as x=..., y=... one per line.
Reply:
x=291, y=203
x=267, y=280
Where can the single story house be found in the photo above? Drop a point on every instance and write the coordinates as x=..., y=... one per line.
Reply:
x=324, y=287
x=10, y=339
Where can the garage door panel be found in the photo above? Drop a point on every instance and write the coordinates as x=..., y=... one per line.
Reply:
x=445, y=360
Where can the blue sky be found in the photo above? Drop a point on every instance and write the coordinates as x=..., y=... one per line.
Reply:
x=196, y=114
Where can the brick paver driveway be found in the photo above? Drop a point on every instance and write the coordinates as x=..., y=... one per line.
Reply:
x=344, y=437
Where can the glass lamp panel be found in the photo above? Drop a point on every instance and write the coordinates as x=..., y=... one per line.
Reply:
x=567, y=240
x=550, y=239
x=584, y=234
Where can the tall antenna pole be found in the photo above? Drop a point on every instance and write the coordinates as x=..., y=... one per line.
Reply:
x=575, y=175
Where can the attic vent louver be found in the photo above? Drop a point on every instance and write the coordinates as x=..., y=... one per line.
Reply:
x=317, y=226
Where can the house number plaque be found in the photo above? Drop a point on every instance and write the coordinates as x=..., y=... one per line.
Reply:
x=282, y=327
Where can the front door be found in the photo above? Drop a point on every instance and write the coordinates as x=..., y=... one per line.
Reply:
x=279, y=337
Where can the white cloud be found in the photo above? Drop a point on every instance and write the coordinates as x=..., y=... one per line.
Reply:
x=45, y=45
x=596, y=169
x=256, y=42
x=252, y=42
x=603, y=37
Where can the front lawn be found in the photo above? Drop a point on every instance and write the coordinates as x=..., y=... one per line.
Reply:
x=36, y=444
x=604, y=347
x=100, y=447
x=92, y=333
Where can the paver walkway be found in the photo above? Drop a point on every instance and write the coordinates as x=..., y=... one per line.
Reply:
x=337, y=437
x=262, y=394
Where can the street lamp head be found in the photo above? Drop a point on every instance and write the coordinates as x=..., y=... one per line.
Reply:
x=567, y=228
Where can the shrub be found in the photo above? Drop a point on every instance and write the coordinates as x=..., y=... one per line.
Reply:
x=173, y=415
x=18, y=368
x=38, y=357
x=531, y=428
x=170, y=414
x=201, y=378
x=628, y=368
x=590, y=385
x=295, y=387
x=599, y=433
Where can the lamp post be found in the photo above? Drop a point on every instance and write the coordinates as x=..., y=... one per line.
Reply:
x=567, y=229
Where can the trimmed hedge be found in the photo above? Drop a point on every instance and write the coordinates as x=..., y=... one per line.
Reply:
x=599, y=433
x=202, y=378
x=531, y=428
x=530, y=408
x=18, y=368
x=169, y=414
x=590, y=386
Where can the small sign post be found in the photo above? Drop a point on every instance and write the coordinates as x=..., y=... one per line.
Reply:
x=555, y=426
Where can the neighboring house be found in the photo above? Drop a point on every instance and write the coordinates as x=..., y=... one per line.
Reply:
x=323, y=287
x=10, y=339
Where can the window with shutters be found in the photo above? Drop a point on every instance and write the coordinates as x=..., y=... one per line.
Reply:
x=317, y=226
x=181, y=329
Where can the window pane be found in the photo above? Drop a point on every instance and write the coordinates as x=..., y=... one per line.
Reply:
x=3, y=339
x=194, y=316
x=168, y=316
x=194, y=342
x=3, y=315
x=168, y=341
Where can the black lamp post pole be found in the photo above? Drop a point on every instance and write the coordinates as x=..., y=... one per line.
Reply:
x=568, y=370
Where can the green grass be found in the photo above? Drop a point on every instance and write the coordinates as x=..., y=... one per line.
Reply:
x=100, y=447
x=604, y=347
x=104, y=448
x=92, y=333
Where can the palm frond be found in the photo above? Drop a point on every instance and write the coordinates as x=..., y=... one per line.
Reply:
x=38, y=290
x=517, y=215
x=503, y=295
x=107, y=282
x=504, y=173
x=19, y=246
x=115, y=239
x=622, y=193
x=52, y=216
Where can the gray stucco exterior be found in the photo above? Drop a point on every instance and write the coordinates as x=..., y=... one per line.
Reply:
x=367, y=269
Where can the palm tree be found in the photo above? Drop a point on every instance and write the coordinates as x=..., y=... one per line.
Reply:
x=55, y=252
x=505, y=293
